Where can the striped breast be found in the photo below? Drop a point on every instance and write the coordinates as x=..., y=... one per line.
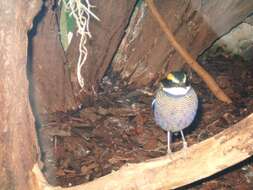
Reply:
x=174, y=113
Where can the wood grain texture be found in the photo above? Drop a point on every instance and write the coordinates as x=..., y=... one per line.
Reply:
x=106, y=36
x=52, y=90
x=145, y=56
x=207, y=78
x=18, y=143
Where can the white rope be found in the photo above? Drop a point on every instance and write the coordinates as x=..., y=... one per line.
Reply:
x=81, y=11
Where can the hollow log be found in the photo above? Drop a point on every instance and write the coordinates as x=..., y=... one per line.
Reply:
x=145, y=55
x=18, y=142
x=199, y=161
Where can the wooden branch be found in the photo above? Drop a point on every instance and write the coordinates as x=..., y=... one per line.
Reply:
x=213, y=86
x=184, y=167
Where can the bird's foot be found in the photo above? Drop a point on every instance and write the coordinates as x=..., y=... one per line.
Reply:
x=185, y=146
x=169, y=152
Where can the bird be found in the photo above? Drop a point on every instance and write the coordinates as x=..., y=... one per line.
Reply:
x=175, y=105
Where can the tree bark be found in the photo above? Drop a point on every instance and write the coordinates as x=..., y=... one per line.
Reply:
x=18, y=142
x=208, y=79
x=145, y=55
x=52, y=89
x=199, y=161
x=106, y=36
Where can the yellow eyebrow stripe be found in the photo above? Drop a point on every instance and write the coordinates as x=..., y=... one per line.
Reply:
x=170, y=77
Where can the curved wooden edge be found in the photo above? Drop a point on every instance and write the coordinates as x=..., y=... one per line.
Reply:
x=199, y=161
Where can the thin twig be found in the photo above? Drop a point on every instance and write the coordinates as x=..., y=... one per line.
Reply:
x=213, y=86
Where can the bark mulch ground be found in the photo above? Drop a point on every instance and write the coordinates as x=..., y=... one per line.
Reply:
x=119, y=128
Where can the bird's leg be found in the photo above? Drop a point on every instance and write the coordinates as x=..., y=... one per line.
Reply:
x=168, y=142
x=184, y=141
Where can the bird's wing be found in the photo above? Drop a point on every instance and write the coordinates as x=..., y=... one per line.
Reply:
x=153, y=104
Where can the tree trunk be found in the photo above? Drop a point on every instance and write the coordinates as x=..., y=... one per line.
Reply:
x=18, y=145
x=145, y=55
x=52, y=90
x=106, y=36
x=54, y=82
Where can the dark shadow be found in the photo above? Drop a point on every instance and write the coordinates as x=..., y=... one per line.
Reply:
x=31, y=33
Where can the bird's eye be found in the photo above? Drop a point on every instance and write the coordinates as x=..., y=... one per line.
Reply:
x=165, y=82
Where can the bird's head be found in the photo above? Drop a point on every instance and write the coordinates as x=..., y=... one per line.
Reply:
x=175, y=83
x=175, y=79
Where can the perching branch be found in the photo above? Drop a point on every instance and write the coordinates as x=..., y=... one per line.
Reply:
x=199, y=161
x=213, y=86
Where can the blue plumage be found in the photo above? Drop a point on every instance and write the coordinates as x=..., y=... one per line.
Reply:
x=175, y=105
x=174, y=113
